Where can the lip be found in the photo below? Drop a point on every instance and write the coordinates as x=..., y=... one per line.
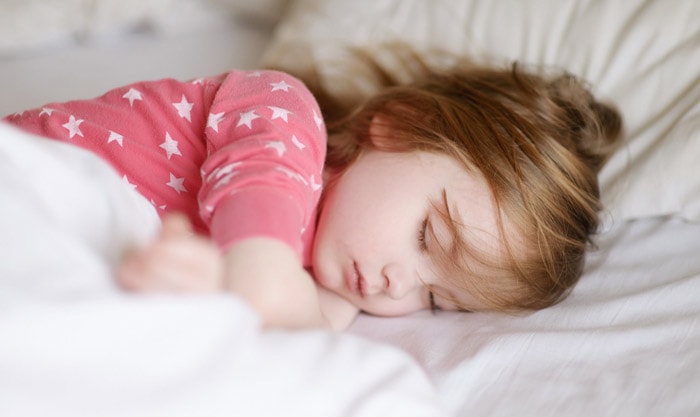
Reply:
x=355, y=281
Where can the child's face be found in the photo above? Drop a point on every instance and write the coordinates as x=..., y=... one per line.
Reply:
x=369, y=246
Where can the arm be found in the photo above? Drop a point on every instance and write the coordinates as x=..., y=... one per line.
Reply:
x=260, y=188
x=282, y=292
x=261, y=185
x=266, y=272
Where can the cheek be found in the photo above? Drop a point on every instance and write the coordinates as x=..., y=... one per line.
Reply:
x=346, y=214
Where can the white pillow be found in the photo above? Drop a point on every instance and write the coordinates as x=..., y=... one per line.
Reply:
x=643, y=55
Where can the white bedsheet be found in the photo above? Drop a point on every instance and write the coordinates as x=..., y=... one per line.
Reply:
x=625, y=344
x=71, y=344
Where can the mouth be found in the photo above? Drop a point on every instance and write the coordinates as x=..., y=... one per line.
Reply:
x=355, y=281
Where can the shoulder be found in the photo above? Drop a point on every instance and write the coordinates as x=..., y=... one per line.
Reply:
x=267, y=82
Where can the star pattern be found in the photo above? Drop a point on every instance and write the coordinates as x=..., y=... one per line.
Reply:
x=171, y=146
x=247, y=119
x=73, y=126
x=225, y=179
x=318, y=120
x=279, y=113
x=214, y=119
x=126, y=182
x=115, y=137
x=315, y=185
x=280, y=86
x=151, y=159
x=176, y=184
x=184, y=108
x=277, y=146
x=300, y=145
x=220, y=172
x=292, y=174
x=133, y=95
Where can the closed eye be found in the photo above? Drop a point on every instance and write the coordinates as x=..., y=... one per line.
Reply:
x=422, y=231
x=433, y=306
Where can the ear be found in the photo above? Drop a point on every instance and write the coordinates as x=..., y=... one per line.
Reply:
x=380, y=131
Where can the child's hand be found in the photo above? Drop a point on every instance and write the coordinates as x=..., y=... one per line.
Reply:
x=177, y=261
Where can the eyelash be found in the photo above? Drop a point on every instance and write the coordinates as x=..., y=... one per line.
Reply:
x=422, y=234
x=433, y=306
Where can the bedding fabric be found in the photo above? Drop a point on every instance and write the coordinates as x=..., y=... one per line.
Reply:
x=71, y=344
x=626, y=343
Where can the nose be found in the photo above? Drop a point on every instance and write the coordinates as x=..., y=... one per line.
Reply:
x=397, y=281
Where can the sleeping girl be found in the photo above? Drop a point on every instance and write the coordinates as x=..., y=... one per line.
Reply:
x=470, y=189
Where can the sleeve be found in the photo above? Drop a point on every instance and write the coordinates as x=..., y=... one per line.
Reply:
x=266, y=149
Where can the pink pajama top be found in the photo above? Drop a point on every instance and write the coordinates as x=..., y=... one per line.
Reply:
x=241, y=154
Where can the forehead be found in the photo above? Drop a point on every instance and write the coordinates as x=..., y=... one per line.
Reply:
x=470, y=226
x=467, y=195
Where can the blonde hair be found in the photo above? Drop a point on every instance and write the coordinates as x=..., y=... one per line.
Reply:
x=539, y=141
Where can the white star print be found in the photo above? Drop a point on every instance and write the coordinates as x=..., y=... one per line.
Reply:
x=282, y=85
x=126, y=182
x=297, y=143
x=116, y=137
x=247, y=119
x=314, y=185
x=199, y=81
x=214, y=120
x=318, y=119
x=46, y=110
x=133, y=95
x=184, y=108
x=176, y=184
x=73, y=127
x=225, y=179
x=162, y=208
x=278, y=146
x=170, y=146
x=279, y=113
x=226, y=169
x=291, y=174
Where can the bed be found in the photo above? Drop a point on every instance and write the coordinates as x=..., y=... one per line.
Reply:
x=625, y=343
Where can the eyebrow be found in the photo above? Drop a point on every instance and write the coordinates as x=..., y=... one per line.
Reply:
x=452, y=224
x=446, y=258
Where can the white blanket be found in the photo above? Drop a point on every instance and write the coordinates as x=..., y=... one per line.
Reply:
x=71, y=344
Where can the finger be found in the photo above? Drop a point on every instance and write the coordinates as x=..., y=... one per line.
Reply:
x=130, y=271
x=176, y=225
x=178, y=277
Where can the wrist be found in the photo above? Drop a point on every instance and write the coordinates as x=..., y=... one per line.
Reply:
x=269, y=275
